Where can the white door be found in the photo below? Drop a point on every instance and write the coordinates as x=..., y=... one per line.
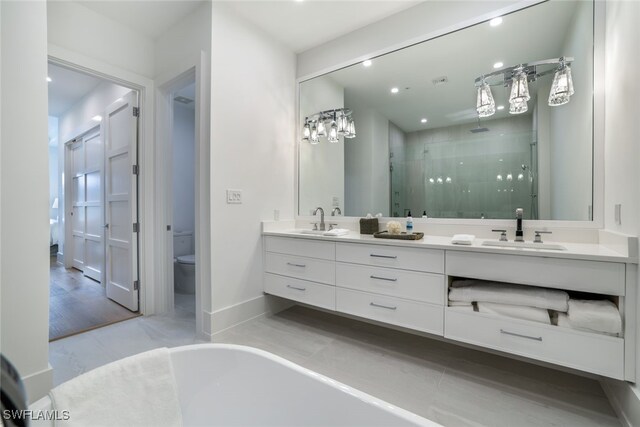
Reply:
x=86, y=162
x=121, y=210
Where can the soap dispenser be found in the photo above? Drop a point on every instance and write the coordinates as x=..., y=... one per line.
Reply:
x=409, y=223
x=424, y=214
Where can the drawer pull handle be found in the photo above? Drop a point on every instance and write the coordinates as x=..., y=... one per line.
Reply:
x=502, y=331
x=296, y=288
x=384, y=278
x=373, y=304
x=296, y=265
x=384, y=256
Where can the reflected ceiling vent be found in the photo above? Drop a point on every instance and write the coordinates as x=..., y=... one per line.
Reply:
x=183, y=100
x=439, y=81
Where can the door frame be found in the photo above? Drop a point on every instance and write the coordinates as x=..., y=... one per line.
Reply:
x=146, y=212
x=165, y=85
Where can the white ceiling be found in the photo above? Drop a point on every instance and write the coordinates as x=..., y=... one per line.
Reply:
x=67, y=87
x=151, y=18
x=301, y=25
x=533, y=34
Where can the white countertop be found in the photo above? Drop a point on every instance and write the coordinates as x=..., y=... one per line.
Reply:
x=579, y=251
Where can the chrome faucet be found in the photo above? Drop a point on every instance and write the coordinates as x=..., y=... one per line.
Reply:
x=333, y=212
x=322, y=227
x=519, y=232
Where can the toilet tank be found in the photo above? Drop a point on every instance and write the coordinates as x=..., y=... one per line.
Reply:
x=182, y=243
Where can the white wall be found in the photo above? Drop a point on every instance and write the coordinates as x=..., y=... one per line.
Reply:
x=252, y=149
x=183, y=165
x=53, y=165
x=24, y=269
x=366, y=161
x=77, y=28
x=622, y=146
x=571, y=146
x=321, y=165
x=396, y=31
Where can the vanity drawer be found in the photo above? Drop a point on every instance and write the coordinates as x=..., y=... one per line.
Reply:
x=426, y=287
x=588, y=276
x=316, y=270
x=408, y=314
x=301, y=247
x=419, y=259
x=599, y=354
x=301, y=290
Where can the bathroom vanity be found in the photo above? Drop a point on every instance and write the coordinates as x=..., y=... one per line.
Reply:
x=405, y=284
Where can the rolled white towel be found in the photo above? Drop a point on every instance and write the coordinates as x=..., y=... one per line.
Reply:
x=504, y=293
x=595, y=315
x=533, y=314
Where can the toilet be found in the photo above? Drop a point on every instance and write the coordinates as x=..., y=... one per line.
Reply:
x=184, y=264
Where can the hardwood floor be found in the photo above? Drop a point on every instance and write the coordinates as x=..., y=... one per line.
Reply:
x=78, y=304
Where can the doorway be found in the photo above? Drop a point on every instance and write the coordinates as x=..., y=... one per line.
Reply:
x=94, y=221
x=181, y=196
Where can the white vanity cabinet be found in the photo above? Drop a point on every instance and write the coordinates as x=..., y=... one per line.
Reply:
x=406, y=285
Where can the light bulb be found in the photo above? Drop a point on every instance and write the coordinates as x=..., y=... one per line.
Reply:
x=343, y=124
x=509, y=177
x=315, y=138
x=322, y=130
x=448, y=180
x=333, y=132
x=499, y=178
x=306, y=131
x=485, y=105
x=439, y=180
x=520, y=177
x=431, y=180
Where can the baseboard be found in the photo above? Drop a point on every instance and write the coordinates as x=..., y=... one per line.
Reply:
x=624, y=400
x=38, y=384
x=233, y=315
x=60, y=258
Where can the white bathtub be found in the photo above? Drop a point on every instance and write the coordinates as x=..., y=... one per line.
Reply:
x=230, y=385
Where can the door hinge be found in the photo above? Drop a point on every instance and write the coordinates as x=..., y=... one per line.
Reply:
x=136, y=112
x=135, y=169
x=135, y=227
x=136, y=285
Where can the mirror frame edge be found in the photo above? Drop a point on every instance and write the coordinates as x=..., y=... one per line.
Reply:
x=598, y=99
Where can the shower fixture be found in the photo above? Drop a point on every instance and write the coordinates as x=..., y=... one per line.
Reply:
x=518, y=78
x=330, y=124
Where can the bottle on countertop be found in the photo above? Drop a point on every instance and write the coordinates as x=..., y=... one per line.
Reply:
x=409, y=223
x=424, y=214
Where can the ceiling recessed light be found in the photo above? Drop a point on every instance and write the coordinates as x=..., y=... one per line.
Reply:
x=395, y=90
x=423, y=121
x=500, y=160
x=495, y=21
x=96, y=118
x=49, y=79
x=367, y=63
x=498, y=65
x=461, y=163
x=500, y=107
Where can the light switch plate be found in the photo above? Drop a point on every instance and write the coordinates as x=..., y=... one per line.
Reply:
x=234, y=196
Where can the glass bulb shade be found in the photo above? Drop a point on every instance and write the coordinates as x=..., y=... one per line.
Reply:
x=561, y=88
x=509, y=177
x=352, y=128
x=314, y=137
x=306, y=132
x=333, y=133
x=519, y=94
x=322, y=129
x=343, y=124
x=485, y=105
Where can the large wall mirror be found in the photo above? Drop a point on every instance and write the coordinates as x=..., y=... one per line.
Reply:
x=472, y=124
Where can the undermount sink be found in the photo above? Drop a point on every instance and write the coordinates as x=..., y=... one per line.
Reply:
x=524, y=245
x=314, y=232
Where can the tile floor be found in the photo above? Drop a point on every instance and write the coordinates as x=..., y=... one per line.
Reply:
x=446, y=383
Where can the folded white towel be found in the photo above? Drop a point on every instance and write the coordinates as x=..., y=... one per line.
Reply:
x=515, y=311
x=463, y=239
x=460, y=304
x=137, y=391
x=596, y=315
x=462, y=307
x=336, y=232
x=504, y=293
x=564, y=322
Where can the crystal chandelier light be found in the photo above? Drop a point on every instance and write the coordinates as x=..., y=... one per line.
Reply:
x=485, y=105
x=562, y=86
x=330, y=124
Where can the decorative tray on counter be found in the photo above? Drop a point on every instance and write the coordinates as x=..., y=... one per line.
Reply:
x=401, y=236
